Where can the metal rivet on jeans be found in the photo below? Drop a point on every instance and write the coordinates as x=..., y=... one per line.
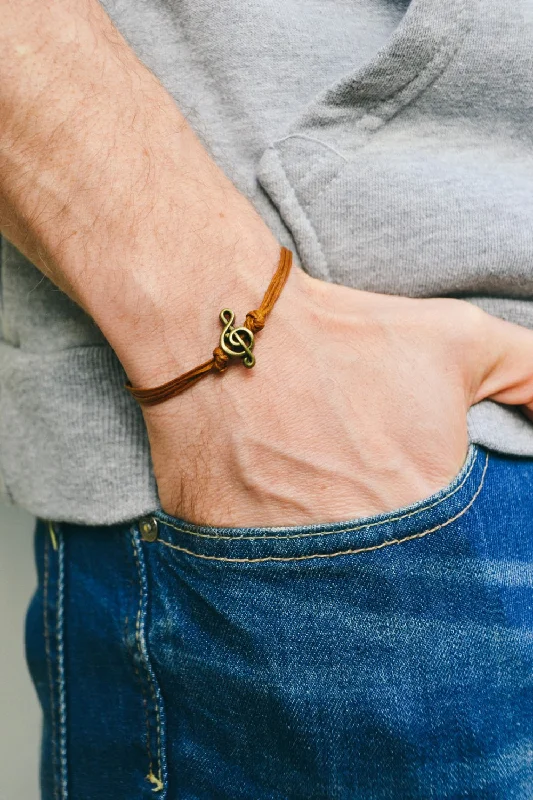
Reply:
x=148, y=529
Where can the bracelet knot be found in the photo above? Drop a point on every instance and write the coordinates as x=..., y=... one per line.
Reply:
x=234, y=341
x=255, y=320
x=221, y=360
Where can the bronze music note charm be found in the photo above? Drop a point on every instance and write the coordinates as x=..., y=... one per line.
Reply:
x=236, y=342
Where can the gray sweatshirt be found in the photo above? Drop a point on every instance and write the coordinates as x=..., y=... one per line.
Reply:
x=388, y=144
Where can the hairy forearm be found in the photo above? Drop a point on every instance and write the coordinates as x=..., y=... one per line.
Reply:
x=105, y=187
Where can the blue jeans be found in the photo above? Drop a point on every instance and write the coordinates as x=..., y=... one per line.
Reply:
x=387, y=657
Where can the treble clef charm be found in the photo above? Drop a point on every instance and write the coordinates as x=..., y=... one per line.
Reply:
x=236, y=342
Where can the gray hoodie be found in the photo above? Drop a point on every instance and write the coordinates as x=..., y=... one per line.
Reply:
x=388, y=144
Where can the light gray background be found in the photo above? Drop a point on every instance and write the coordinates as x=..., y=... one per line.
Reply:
x=20, y=718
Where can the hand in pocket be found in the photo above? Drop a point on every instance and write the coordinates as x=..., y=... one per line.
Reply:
x=357, y=405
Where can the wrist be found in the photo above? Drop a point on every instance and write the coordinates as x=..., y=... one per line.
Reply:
x=179, y=326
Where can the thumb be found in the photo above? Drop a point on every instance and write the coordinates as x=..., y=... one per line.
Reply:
x=506, y=361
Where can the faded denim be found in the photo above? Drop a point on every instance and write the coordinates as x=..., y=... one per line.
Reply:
x=380, y=658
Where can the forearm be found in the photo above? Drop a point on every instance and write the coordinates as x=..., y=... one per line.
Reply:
x=105, y=187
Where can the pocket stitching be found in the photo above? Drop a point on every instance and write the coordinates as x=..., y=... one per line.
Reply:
x=353, y=551
x=340, y=530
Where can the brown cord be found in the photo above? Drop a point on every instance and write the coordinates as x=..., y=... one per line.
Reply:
x=255, y=321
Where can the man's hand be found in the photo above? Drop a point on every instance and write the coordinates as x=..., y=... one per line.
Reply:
x=357, y=405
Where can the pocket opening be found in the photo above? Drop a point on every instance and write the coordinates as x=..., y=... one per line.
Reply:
x=349, y=537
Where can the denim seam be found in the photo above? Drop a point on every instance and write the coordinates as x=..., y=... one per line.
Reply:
x=329, y=533
x=137, y=673
x=158, y=780
x=340, y=552
x=63, y=764
x=46, y=628
x=143, y=693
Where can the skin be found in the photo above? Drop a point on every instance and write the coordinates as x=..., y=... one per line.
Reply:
x=358, y=401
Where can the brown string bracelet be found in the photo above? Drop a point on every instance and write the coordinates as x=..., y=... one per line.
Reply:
x=235, y=342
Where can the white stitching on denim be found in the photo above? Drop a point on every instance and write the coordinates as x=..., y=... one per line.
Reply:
x=330, y=532
x=138, y=640
x=49, y=663
x=143, y=693
x=157, y=780
x=61, y=667
x=340, y=552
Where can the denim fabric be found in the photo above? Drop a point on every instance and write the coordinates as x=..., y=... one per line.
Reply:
x=389, y=657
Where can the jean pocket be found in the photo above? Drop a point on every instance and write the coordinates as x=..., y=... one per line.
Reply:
x=326, y=540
